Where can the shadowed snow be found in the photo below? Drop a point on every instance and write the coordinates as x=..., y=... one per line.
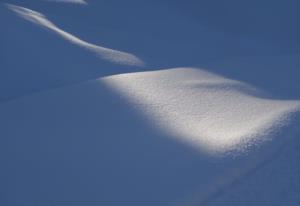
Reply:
x=105, y=53
x=86, y=144
x=181, y=136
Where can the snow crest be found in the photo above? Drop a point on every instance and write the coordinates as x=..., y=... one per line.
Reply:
x=204, y=109
x=105, y=53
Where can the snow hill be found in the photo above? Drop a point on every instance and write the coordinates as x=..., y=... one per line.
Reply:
x=178, y=136
x=105, y=103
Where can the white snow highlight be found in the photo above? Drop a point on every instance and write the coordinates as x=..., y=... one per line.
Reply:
x=69, y=1
x=105, y=53
x=78, y=130
x=214, y=113
x=100, y=138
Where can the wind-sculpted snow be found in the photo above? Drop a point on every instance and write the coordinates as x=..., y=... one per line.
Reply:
x=69, y=1
x=147, y=138
x=203, y=109
x=105, y=53
x=78, y=130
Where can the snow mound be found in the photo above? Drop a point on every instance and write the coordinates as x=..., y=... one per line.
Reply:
x=182, y=136
x=87, y=144
x=105, y=53
x=203, y=109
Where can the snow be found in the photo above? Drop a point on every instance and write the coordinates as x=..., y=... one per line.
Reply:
x=70, y=1
x=215, y=113
x=105, y=53
x=149, y=103
x=66, y=139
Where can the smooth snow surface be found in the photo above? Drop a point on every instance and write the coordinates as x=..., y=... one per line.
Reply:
x=202, y=109
x=105, y=53
x=207, y=110
x=69, y=1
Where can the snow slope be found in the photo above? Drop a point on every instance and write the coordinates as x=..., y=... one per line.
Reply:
x=220, y=127
x=163, y=140
x=105, y=53
x=58, y=44
x=207, y=110
x=46, y=59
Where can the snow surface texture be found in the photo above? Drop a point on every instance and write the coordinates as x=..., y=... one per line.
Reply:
x=225, y=134
x=212, y=112
x=66, y=140
x=105, y=53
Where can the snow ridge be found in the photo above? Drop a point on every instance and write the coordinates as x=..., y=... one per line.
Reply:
x=70, y=1
x=111, y=55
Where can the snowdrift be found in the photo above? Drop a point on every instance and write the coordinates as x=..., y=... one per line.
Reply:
x=47, y=45
x=180, y=136
x=89, y=114
x=206, y=109
x=33, y=59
